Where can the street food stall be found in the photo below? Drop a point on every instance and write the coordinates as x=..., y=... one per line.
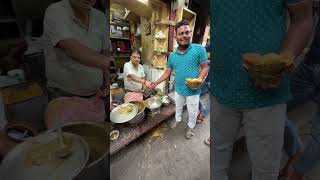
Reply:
x=148, y=27
x=132, y=119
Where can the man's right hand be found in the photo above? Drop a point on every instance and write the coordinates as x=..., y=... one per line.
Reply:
x=148, y=84
x=153, y=85
x=268, y=70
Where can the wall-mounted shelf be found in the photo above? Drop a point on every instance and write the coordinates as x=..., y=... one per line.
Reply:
x=158, y=53
x=120, y=51
x=165, y=22
x=7, y=20
x=122, y=38
x=121, y=56
x=161, y=38
x=130, y=16
x=119, y=23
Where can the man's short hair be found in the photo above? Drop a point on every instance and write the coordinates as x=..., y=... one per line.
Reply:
x=136, y=51
x=181, y=23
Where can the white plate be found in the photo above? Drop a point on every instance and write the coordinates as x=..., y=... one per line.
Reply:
x=116, y=117
x=13, y=166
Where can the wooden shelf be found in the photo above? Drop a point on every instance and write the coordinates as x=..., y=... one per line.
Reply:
x=130, y=16
x=120, y=24
x=120, y=51
x=7, y=20
x=121, y=56
x=158, y=53
x=160, y=38
x=188, y=13
x=140, y=8
x=165, y=22
x=122, y=38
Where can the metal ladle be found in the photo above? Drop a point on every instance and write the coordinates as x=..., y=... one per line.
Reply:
x=63, y=151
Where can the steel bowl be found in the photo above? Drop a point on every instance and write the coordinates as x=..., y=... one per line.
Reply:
x=154, y=104
x=139, y=118
x=165, y=100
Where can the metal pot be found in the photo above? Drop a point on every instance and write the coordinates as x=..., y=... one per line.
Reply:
x=139, y=118
x=97, y=137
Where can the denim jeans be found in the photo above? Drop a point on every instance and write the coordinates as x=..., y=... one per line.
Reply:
x=204, y=90
x=204, y=110
x=304, y=86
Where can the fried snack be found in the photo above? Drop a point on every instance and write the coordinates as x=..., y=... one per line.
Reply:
x=126, y=109
x=252, y=58
x=193, y=83
x=268, y=70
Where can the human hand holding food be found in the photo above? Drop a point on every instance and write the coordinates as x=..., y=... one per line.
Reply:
x=193, y=83
x=268, y=70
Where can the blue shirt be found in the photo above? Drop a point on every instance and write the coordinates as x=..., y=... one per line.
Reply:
x=241, y=26
x=187, y=65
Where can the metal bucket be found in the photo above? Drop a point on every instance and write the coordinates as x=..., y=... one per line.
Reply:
x=97, y=137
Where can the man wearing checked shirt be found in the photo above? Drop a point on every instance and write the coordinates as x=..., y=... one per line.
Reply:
x=260, y=26
x=186, y=62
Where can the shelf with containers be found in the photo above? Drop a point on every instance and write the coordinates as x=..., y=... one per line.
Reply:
x=120, y=43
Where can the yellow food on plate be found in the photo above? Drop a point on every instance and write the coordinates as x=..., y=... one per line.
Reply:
x=126, y=109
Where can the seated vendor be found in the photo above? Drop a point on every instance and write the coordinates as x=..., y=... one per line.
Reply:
x=134, y=79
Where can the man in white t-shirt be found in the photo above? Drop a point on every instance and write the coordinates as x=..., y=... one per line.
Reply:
x=134, y=79
x=76, y=49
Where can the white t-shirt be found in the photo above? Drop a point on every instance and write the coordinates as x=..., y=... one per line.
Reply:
x=62, y=71
x=130, y=84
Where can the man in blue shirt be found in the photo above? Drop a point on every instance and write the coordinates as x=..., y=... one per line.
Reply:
x=188, y=61
x=257, y=26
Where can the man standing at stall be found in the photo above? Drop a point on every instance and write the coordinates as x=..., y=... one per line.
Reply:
x=186, y=62
x=134, y=76
x=238, y=98
x=77, y=53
